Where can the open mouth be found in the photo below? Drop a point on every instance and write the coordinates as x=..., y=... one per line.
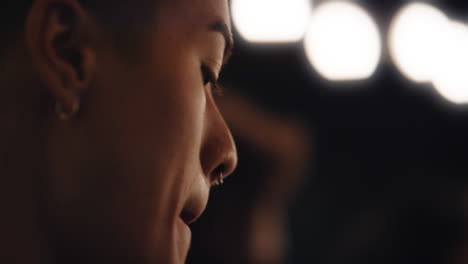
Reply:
x=188, y=217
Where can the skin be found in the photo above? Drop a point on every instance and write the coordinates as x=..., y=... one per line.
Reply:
x=247, y=221
x=120, y=181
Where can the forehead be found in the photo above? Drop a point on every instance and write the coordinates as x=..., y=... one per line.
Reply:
x=196, y=12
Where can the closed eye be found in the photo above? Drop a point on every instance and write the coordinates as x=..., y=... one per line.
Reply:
x=209, y=78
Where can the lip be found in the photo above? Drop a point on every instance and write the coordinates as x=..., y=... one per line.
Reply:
x=188, y=216
x=187, y=233
x=193, y=209
x=184, y=237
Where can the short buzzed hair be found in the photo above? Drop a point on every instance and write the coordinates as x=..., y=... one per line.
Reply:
x=118, y=15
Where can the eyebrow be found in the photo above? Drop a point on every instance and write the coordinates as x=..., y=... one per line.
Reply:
x=222, y=27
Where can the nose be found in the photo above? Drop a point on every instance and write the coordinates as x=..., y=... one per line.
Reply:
x=218, y=151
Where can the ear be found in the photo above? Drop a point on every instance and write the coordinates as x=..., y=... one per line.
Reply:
x=57, y=35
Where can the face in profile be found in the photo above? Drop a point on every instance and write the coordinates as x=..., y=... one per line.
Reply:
x=131, y=171
x=247, y=220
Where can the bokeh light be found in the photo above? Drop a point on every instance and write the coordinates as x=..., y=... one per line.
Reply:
x=451, y=78
x=416, y=40
x=271, y=21
x=343, y=42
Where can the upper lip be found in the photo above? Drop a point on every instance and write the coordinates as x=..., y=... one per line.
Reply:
x=193, y=209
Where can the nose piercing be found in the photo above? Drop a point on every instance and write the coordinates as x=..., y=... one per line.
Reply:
x=220, y=180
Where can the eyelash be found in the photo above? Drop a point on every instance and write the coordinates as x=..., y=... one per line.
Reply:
x=209, y=78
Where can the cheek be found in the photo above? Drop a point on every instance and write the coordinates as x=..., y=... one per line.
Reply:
x=137, y=153
x=156, y=125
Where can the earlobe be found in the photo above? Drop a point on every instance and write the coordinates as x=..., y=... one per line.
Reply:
x=57, y=37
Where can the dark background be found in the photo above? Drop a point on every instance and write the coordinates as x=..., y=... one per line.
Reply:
x=390, y=156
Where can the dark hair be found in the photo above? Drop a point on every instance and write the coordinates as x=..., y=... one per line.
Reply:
x=118, y=16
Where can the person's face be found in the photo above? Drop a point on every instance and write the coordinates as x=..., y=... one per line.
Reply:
x=136, y=165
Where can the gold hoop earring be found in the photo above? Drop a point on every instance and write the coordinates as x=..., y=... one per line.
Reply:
x=67, y=115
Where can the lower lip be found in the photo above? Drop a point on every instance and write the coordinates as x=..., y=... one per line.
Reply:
x=184, y=235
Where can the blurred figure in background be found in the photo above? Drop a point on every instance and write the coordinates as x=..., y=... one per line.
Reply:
x=247, y=221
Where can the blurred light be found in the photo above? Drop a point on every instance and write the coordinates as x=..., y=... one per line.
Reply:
x=451, y=79
x=271, y=20
x=343, y=42
x=416, y=40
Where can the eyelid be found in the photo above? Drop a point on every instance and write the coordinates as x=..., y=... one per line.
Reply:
x=215, y=64
x=210, y=77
